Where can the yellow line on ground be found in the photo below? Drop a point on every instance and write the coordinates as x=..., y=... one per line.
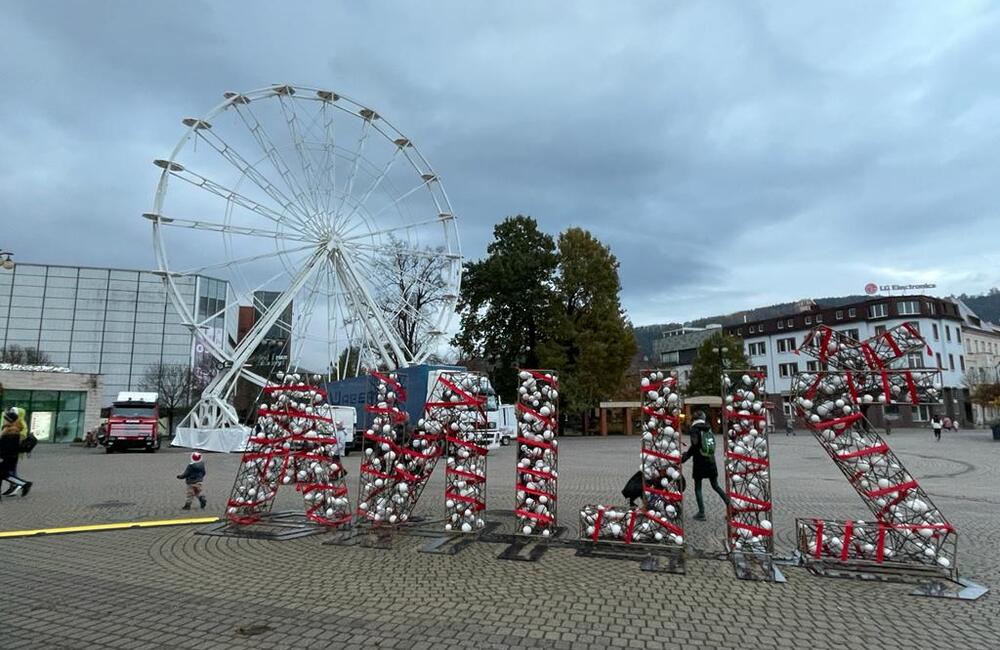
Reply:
x=123, y=525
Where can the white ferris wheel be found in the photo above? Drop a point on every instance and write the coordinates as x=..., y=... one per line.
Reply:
x=322, y=217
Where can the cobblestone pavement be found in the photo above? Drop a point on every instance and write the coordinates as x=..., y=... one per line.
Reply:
x=170, y=588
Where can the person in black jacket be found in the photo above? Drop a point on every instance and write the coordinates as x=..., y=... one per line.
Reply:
x=11, y=435
x=193, y=475
x=704, y=465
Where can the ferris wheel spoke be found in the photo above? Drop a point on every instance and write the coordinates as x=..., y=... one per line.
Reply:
x=229, y=195
x=349, y=186
x=271, y=152
x=243, y=260
x=328, y=167
x=214, y=226
x=298, y=138
x=378, y=330
x=400, y=228
x=234, y=158
x=415, y=252
x=374, y=186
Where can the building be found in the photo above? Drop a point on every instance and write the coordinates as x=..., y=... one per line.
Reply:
x=114, y=323
x=274, y=351
x=982, y=358
x=60, y=405
x=772, y=345
x=676, y=349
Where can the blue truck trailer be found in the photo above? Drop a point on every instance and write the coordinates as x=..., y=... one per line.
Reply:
x=357, y=392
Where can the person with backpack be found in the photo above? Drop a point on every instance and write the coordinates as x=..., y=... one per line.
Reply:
x=14, y=440
x=702, y=450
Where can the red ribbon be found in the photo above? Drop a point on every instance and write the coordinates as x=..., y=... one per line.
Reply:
x=848, y=532
x=597, y=525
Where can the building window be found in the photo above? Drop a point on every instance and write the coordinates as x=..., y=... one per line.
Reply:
x=880, y=310
x=53, y=416
x=922, y=413
x=752, y=329
x=819, y=318
x=854, y=334
x=937, y=334
x=809, y=320
x=788, y=406
x=958, y=335
x=951, y=361
x=781, y=324
x=787, y=369
x=915, y=360
x=756, y=349
x=761, y=369
x=930, y=308
x=939, y=364
x=816, y=366
x=786, y=345
x=961, y=362
x=790, y=323
x=839, y=315
x=739, y=332
x=670, y=357
x=852, y=313
x=908, y=307
x=947, y=333
x=879, y=330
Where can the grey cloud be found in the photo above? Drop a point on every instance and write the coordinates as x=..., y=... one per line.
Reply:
x=730, y=145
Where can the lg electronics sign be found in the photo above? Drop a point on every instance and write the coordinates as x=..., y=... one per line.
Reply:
x=871, y=288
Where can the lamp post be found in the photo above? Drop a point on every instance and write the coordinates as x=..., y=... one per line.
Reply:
x=722, y=360
x=6, y=263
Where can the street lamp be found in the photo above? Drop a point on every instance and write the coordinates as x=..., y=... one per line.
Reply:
x=7, y=263
x=722, y=360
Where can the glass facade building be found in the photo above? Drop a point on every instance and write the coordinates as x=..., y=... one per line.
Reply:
x=112, y=322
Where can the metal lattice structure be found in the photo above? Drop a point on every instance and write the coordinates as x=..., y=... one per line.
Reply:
x=463, y=414
x=382, y=494
x=749, y=534
x=312, y=207
x=660, y=519
x=292, y=444
x=909, y=529
x=536, y=495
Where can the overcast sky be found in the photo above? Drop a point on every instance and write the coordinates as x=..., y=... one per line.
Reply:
x=733, y=154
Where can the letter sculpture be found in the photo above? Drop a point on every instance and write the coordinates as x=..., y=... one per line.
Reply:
x=292, y=443
x=461, y=410
x=659, y=520
x=749, y=534
x=908, y=530
x=384, y=490
x=537, y=473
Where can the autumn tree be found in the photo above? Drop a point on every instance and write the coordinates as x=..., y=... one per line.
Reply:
x=507, y=301
x=706, y=372
x=25, y=356
x=177, y=387
x=413, y=285
x=590, y=341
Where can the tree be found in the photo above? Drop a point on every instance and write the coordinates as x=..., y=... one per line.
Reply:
x=706, y=372
x=411, y=290
x=590, y=342
x=177, y=387
x=507, y=301
x=25, y=356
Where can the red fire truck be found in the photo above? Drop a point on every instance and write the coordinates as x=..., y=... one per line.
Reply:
x=134, y=423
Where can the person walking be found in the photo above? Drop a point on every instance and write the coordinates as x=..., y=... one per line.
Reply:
x=702, y=449
x=936, y=426
x=13, y=435
x=193, y=476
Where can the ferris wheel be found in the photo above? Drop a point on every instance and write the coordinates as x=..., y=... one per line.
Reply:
x=314, y=211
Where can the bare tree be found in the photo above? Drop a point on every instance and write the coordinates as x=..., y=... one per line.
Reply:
x=26, y=356
x=413, y=288
x=177, y=386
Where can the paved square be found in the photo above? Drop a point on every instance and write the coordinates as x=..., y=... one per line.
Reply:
x=170, y=588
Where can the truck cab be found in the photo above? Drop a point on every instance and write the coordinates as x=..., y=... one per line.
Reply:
x=134, y=423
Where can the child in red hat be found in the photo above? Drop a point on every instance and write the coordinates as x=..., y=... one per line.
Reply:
x=193, y=476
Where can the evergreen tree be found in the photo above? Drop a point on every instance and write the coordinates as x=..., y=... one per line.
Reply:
x=706, y=372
